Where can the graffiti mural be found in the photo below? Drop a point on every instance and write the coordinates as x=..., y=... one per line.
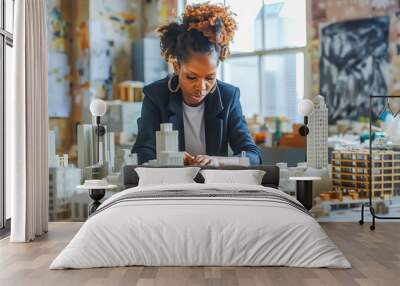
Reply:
x=354, y=63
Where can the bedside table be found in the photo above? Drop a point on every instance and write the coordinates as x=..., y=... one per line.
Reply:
x=304, y=191
x=96, y=192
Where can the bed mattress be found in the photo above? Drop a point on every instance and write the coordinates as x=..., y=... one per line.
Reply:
x=201, y=225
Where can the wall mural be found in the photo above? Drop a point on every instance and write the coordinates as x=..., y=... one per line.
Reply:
x=58, y=66
x=326, y=12
x=113, y=27
x=354, y=63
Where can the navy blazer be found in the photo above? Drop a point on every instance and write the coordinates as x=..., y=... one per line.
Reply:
x=224, y=122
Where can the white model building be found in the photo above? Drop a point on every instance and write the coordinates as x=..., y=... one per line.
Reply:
x=167, y=147
x=55, y=160
x=317, y=139
x=80, y=202
x=52, y=156
x=285, y=172
x=87, y=150
x=62, y=183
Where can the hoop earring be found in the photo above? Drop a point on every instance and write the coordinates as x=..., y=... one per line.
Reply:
x=213, y=88
x=170, y=84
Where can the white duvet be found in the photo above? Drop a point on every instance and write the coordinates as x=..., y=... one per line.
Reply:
x=200, y=231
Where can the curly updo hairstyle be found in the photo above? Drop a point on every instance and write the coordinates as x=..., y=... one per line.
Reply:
x=203, y=28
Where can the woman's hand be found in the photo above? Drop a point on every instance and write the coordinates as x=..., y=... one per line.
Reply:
x=205, y=160
x=199, y=160
x=188, y=159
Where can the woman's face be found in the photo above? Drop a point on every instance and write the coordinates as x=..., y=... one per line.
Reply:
x=197, y=77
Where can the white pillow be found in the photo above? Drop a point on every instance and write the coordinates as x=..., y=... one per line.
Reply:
x=248, y=177
x=165, y=176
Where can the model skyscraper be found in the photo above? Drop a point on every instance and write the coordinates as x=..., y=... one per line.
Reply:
x=317, y=139
x=167, y=150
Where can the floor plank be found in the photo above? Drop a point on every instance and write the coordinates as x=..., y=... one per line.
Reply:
x=374, y=255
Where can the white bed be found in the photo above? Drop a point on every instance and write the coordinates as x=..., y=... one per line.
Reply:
x=203, y=231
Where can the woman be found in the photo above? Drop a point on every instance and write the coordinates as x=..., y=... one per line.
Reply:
x=205, y=111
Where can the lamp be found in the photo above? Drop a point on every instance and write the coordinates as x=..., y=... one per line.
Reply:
x=305, y=108
x=98, y=108
x=96, y=186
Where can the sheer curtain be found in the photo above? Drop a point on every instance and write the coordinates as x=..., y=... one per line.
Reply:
x=27, y=124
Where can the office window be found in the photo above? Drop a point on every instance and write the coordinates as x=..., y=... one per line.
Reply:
x=9, y=15
x=8, y=73
x=283, y=79
x=2, y=175
x=234, y=69
x=268, y=55
x=247, y=37
x=284, y=24
x=6, y=44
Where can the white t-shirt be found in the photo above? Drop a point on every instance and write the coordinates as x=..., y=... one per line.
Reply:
x=193, y=124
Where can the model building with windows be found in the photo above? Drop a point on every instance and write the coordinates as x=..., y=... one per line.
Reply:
x=167, y=147
x=317, y=139
x=350, y=173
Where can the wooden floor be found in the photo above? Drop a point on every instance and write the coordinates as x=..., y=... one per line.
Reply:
x=375, y=257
